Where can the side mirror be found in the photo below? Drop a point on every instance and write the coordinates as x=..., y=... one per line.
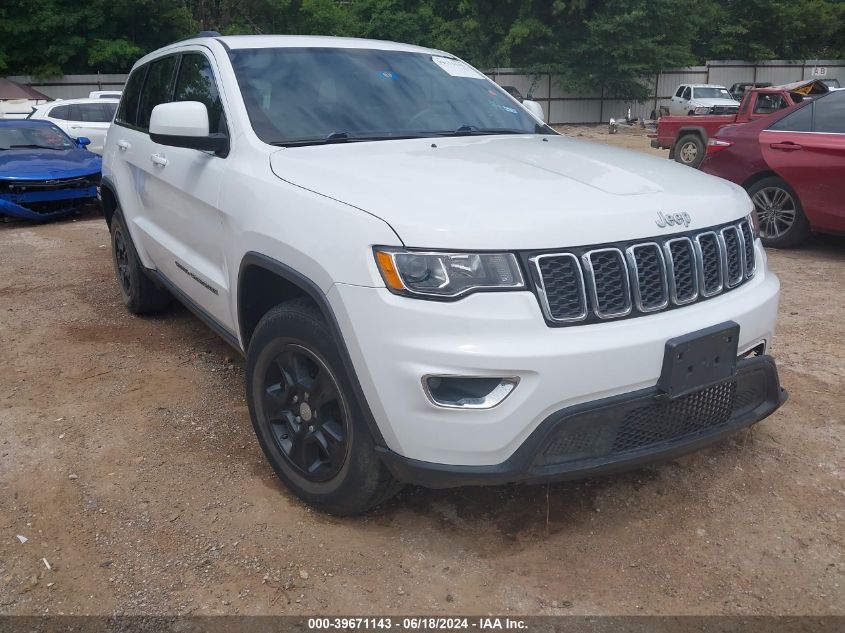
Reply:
x=83, y=141
x=185, y=124
x=535, y=109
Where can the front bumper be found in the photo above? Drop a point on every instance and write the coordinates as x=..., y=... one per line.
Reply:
x=394, y=341
x=618, y=433
x=47, y=204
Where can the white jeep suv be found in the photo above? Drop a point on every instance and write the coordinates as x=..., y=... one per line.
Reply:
x=429, y=284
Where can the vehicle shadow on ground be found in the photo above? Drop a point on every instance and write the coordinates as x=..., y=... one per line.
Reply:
x=525, y=514
x=9, y=223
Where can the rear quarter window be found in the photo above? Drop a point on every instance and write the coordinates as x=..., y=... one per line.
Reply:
x=60, y=112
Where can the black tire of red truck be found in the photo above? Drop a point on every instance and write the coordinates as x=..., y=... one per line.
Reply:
x=689, y=150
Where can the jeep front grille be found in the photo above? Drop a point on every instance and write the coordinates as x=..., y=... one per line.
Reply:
x=590, y=284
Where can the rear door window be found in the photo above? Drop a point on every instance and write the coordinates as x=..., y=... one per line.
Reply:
x=830, y=114
x=196, y=83
x=93, y=113
x=799, y=121
x=680, y=92
x=158, y=88
x=127, y=111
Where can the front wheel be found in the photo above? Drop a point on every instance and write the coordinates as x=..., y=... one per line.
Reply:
x=306, y=416
x=779, y=212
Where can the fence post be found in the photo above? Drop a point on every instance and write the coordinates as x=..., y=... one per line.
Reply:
x=601, y=105
x=656, y=95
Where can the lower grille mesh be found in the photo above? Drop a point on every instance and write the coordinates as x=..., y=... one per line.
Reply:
x=663, y=422
x=655, y=425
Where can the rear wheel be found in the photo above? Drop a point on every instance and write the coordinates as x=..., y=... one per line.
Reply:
x=689, y=150
x=140, y=293
x=779, y=212
x=306, y=416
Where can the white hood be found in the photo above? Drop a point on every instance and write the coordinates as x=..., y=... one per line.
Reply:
x=716, y=102
x=510, y=192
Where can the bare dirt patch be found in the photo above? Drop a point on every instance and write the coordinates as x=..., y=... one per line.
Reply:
x=128, y=461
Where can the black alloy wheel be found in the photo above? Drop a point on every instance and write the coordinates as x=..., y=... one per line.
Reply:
x=121, y=261
x=306, y=412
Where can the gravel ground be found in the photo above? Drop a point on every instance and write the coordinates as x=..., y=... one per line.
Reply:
x=128, y=462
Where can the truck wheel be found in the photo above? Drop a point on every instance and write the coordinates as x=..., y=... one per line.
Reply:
x=689, y=150
x=140, y=293
x=306, y=416
x=782, y=220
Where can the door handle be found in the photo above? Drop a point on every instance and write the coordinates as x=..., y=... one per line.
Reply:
x=786, y=146
x=123, y=145
x=159, y=160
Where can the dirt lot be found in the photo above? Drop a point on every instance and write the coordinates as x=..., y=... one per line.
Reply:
x=128, y=461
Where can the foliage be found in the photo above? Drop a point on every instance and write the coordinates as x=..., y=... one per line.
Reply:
x=610, y=45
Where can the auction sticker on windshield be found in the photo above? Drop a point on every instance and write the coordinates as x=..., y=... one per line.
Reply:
x=456, y=67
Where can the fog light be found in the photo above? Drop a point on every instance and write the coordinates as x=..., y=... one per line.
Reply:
x=468, y=392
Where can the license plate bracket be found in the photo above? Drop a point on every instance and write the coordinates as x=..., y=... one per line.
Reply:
x=699, y=359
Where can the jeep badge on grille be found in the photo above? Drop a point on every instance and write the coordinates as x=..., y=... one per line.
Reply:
x=672, y=219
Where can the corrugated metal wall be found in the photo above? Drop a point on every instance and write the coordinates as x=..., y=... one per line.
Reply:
x=560, y=106
x=73, y=86
x=567, y=107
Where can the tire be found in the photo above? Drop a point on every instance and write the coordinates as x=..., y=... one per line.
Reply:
x=139, y=292
x=306, y=416
x=779, y=213
x=689, y=150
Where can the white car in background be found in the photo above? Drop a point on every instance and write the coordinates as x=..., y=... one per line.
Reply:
x=90, y=118
x=104, y=94
x=702, y=99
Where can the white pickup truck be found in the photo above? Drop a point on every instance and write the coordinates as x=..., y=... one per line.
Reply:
x=702, y=99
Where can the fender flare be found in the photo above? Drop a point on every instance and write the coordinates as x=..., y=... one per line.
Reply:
x=108, y=185
x=696, y=129
x=315, y=293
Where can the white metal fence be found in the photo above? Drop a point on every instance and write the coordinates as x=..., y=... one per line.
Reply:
x=559, y=105
x=73, y=86
x=563, y=107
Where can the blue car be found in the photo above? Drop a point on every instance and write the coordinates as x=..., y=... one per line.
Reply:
x=44, y=174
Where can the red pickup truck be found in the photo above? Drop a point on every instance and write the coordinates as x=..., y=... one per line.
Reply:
x=686, y=136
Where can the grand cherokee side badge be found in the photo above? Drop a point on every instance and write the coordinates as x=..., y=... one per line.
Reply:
x=672, y=219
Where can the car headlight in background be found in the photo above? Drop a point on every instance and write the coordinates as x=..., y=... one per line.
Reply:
x=703, y=110
x=447, y=275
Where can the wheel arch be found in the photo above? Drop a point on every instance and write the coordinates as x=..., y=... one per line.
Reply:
x=696, y=130
x=109, y=199
x=278, y=283
x=753, y=180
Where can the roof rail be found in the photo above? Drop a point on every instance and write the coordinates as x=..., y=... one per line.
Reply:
x=207, y=34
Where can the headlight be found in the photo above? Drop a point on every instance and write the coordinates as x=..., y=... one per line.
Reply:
x=447, y=275
x=702, y=110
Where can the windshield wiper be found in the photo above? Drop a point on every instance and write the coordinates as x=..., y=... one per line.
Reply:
x=33, y=146
x=471, y=130
x=341, y=137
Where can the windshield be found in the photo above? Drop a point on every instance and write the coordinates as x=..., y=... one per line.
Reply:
x=711, y=93
x=301, y=96
x=34, y=137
